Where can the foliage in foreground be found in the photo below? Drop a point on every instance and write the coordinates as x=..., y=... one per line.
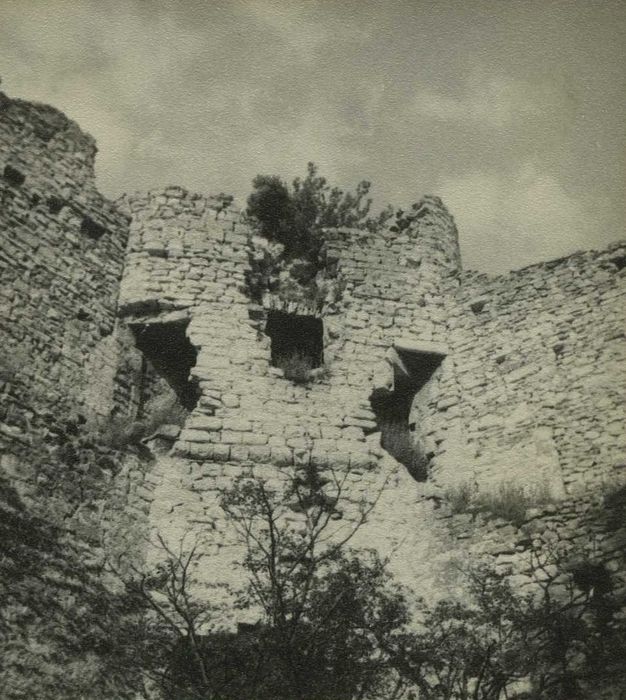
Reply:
x=63, y=633
x=323, y=610
x=334, y=626
x=332, y=623
x=499, y=644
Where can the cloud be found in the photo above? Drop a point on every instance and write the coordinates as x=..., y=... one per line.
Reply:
x=491, y=101
x=494, y=110
x=518, y=219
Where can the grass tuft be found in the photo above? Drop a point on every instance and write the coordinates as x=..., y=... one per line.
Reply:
x=296, y=367
x=509, y=501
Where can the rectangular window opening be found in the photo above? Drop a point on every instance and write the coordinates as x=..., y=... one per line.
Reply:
x=297, y=343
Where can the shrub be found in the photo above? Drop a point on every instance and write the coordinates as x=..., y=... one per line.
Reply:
x=498, y=642
x=164, y=409
x=460, y=498
x=295, y=218
x=509, y=502
x=120, y=432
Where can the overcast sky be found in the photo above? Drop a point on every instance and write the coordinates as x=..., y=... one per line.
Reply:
x=511, y=111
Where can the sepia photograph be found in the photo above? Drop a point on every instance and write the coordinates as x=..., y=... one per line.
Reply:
x=312, y=350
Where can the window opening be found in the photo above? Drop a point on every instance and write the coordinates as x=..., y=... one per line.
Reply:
x=392, y=407
x=168, y=350
x=297, y=343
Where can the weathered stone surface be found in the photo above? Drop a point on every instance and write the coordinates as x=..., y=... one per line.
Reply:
x=525, y=384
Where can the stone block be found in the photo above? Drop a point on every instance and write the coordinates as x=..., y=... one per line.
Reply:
x=230, y=400
x=281, y=456
x=202, y=422
x=239, y=453
x=362, y=461
x=230, y=437
x=220, y=452
x=190, y=435
x=260, y=453
x=251, y=438
x=237, y=424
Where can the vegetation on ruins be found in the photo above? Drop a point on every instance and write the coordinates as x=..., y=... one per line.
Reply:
x=163, y=409
x=508, y=501
x=296, y=367
x=299, y=368
x=332, y=623
x=292, y=219
x=295, y=217
x=398, y=441
x=497, y=643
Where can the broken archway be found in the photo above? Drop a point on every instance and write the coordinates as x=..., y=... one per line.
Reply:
x=402, y=405
x=170, y=355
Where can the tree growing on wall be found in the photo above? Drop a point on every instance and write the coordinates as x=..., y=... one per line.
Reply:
x=293, y=218
x=296, y=216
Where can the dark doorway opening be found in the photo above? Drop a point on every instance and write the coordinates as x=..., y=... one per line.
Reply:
x=412, y=372
x=168, y=349
x=295, y=336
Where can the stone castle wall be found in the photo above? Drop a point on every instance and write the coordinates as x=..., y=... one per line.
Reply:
x=510, y=379
x=539, y=367
x=61, y=261
x=486, y=414
x=64, y=354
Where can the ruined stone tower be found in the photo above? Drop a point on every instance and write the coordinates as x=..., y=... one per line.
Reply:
x=481, y=380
